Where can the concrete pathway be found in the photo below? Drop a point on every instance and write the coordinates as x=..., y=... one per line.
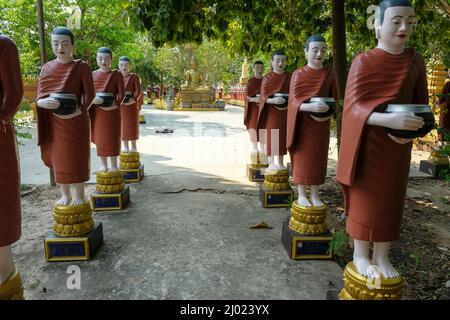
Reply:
x=186, y=233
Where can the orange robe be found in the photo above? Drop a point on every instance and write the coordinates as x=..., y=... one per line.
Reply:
x=373, y=169
x=65, y=143
x=270, y=119
x=11, y=93
x=307, y=139
x=130, y=113
x=251, y=108
x=106, y=125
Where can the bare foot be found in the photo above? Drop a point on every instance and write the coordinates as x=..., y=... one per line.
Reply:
x=281, y=167
x=303, y=202
x=133, y=150
x=102, y=169
x=254, y=156
x=316, y=202
x=64, y=201
x=386, y=268
x=273, y=167
x=125, y=150
x=366, y=268
x=78, y=201
x=114, y=169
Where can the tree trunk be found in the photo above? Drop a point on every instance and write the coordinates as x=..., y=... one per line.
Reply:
x=41, y=24
x=339, y=57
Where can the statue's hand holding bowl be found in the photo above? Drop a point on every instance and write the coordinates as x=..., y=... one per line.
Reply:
x=50, y=104
x=404, y=121
x=98, y=101
x=318, y=107
x=278, y=100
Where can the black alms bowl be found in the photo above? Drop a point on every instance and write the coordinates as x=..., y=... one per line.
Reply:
x=330, y=102
x=67, y=103
x=108, y=99
x=128, y=97
x=420, y=110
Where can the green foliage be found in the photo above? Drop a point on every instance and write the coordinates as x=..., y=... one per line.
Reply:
x=339, y=243
x=22, y=126
x=253, y=26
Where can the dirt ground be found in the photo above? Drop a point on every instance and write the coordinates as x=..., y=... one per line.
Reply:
x=422, y=255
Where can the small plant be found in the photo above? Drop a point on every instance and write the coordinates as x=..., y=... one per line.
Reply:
x=25, y=187
x=290, y=203
x=416, y=259
x=339, y=242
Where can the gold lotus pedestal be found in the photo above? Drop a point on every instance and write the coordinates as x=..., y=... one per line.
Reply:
x=305, y=234
x=75, y=236
x=12, y=289
x=358, y=287
x=194, y=98
x=276, y=191
x=111, y=193
x=130, y=165
x=256, y=170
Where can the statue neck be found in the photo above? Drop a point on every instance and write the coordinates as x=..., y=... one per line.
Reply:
x=390, y=49
x=315, y=66
x=64, y=60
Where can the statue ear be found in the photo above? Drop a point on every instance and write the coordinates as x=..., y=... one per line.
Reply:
x=377, y=28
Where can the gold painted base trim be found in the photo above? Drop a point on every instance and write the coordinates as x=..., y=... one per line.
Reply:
x=72, y=221
x=358, y=287
x=12, y=289
x=280, y=176
x=307, y=228
x=277, y=186
x=198, y=109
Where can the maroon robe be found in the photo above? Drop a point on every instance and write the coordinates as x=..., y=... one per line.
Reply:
x=373, y=169
x=130, y=112
x=251, y=108
x=307, y=139
x=270, y=119
x=106, y=125
x=11, y=94
x=65, y=143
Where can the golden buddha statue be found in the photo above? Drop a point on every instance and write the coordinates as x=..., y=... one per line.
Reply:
x=193, y=92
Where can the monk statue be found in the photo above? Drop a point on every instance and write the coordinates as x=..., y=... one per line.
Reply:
x=373, y=164
x=65, y=93
x=130, y=106
x=106, y=120
x=11, y=93
x=272, y=116
x=252, y=92
x=308, y=136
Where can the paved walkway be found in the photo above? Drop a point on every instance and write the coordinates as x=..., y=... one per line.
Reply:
x=186, y=233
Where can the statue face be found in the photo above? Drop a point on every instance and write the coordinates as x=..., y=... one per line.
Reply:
x=104, y=61
x=62, y=47
x=317, y=53
x=124, y=66
x=397, y=28
x=258, y=70
x=278, y=63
